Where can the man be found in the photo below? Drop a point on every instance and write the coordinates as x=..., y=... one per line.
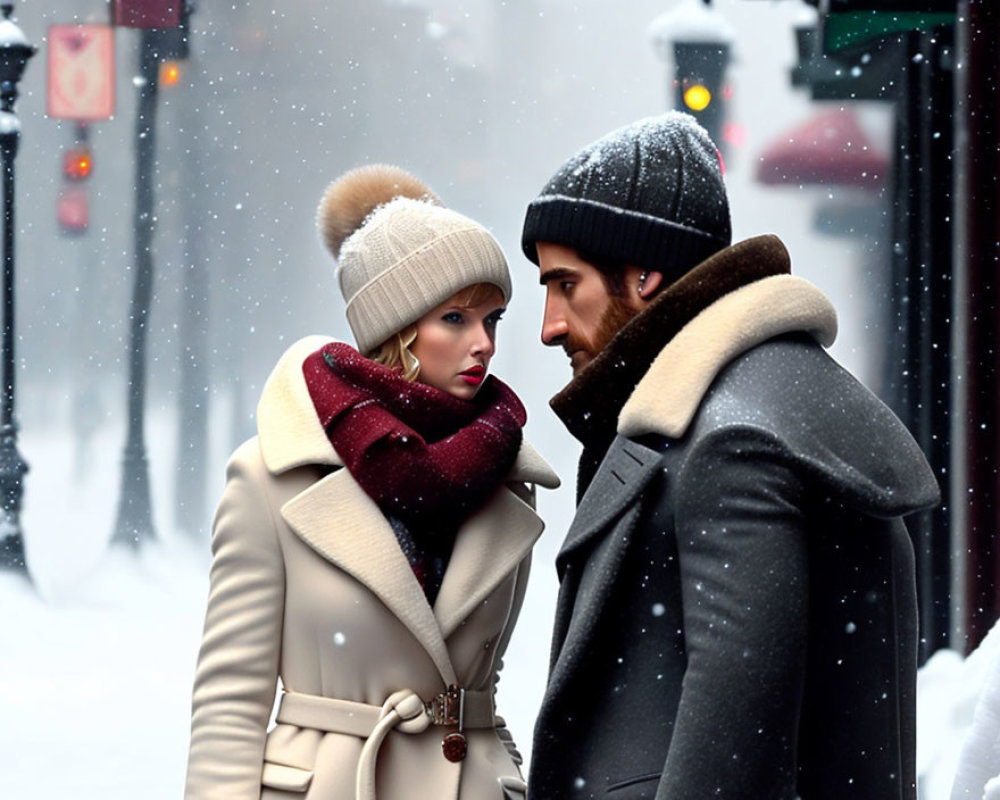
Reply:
x=737, y=615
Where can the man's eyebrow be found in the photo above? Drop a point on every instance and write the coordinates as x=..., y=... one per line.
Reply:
x=555, y=274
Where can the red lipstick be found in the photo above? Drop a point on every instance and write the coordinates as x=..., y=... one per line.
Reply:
x=473, y=375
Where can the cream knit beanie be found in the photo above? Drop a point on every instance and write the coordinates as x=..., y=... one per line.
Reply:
x=401, y=252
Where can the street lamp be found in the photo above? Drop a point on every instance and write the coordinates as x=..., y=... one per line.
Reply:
x=135, y=515
x=14, y=54
x=696, y=40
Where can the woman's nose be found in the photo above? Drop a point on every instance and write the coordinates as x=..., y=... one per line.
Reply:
x=483, y=343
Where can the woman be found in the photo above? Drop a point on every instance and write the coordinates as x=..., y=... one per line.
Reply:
x=371, y=547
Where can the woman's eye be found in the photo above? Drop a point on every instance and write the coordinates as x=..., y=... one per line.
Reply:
x=493, y=319
x=452, y=317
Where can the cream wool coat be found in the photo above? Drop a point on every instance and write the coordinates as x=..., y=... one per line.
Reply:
x=309, y=585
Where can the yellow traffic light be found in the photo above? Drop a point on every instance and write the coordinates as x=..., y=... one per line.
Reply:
x=697, y=97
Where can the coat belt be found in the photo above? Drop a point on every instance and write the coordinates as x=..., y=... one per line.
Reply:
x=403, y=711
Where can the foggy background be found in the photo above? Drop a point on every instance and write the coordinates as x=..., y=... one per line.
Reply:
x=483, y=99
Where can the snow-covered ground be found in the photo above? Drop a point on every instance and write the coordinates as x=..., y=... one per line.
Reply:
x=97, y=655
x=948, y=688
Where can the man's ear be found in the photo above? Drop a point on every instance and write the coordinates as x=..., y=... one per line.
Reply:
x=649, y=287
x=642, y=283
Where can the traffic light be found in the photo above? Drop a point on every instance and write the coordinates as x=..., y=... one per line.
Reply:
x=170, y=73
x=77, y=163
x=700, y=73
x=73, y=204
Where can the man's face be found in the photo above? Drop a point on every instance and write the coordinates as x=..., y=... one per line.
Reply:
x=581, y=314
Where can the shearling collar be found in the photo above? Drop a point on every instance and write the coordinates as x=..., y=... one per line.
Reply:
x=669, y=394
x=290, y=434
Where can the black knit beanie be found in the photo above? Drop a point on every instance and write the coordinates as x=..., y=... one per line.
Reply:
x=650, y=194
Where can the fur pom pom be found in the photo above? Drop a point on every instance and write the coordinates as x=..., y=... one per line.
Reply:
x=349, y=200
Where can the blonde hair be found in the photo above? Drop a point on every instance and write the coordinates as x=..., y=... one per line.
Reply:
x=395, y=351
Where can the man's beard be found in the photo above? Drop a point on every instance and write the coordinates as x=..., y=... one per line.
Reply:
x=615, y=317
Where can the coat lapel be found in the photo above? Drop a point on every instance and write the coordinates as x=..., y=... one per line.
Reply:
x=623, y=474
x=338, y=520
x=488, y=547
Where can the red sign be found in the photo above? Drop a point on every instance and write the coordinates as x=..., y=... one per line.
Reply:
x=148, y=13
x=73, y=211
x=81, y=72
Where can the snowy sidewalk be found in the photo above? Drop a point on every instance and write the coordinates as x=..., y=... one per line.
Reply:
x=97, y=657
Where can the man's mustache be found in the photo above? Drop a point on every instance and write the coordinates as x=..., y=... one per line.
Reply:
x=571, y=345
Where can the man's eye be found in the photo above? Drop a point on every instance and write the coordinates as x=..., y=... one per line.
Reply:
x=565, y=286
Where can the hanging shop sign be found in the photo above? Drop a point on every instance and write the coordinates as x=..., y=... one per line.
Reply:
x=81, y=81
x=147, y=13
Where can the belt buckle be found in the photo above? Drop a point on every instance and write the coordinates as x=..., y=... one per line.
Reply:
x=448, y=707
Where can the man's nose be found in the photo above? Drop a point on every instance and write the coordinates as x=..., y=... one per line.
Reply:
x=554, y=328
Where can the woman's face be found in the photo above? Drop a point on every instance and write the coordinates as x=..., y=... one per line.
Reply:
x=456, y=341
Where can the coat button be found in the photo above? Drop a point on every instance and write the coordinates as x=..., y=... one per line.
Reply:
x=454, y=746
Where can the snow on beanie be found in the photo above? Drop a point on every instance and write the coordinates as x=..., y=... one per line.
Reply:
x=400, y=251
x=650, y=194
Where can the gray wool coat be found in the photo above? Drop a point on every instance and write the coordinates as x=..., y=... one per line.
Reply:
x=737, y=609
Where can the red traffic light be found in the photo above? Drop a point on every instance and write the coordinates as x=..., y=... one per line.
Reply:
x=77, y=164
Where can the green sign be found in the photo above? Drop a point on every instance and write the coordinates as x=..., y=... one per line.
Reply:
x=842, y=30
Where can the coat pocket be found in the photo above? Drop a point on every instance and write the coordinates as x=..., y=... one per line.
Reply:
x=286, y=779
x=513, y=788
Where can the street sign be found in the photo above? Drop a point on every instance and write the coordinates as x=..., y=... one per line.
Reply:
x=849, y=28
x=944, y=6
x=81, y=83
x=147, y=13
x=834, y=6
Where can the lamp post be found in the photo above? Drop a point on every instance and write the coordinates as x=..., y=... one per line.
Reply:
x=164, y=27
x=14, y=54
x=135, y=515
